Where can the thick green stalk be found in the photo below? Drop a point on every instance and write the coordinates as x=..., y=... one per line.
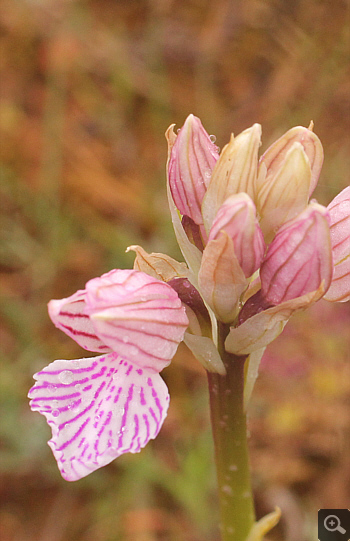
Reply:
x=231, y=447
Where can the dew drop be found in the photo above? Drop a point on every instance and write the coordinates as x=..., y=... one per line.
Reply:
x=207, y=174
x=66, y=377
x=212, y=138
x=55, y=413
x=125, y=339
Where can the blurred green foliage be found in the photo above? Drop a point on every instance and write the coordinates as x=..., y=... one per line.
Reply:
x=88, y=88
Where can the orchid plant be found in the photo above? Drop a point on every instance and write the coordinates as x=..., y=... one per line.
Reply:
x=256, y=250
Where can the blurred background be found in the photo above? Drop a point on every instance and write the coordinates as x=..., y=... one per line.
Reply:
x=88, y=89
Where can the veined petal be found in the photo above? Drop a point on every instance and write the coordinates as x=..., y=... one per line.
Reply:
x=192, y=159
x=284, y=195
x=235, y=172
x=190, y=252
x=275, y=155
x=339, y=211
x=237, y=216
x=299, y=258
x=221, y=278
x=98, y=409
x=138, y=316
x=69, y=316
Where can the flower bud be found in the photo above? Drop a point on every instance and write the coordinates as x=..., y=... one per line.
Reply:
x=237, y=217
x=299, y=259
x=235, y=172
x=339, y=211
x=275, y=155
x=221, y=279
x=192, y=159
x=284, y=194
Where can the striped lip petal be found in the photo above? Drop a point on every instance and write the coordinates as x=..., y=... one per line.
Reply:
x=69, y=316
x=98, y=409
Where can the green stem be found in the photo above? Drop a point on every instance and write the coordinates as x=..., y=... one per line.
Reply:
x=231, y=447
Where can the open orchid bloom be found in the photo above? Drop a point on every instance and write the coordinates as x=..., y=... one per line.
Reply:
x=101, y=407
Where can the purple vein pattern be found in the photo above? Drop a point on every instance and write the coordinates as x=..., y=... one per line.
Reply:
x=98, y=408
x=70, y=317
x=101, y=407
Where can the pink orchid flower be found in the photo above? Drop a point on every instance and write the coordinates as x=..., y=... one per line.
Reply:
x=101, y=407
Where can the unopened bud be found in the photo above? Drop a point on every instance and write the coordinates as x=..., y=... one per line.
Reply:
x=192, y=159
x=299, y=259
x=275, y=155
x=235, y=172
x=237, y=217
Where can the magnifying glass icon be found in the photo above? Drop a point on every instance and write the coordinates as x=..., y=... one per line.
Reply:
x=332, y=524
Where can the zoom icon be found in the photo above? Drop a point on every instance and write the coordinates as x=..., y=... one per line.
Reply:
x=334, y=525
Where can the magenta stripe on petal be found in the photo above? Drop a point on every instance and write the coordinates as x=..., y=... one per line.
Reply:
x=102, y=420
x=69, y=316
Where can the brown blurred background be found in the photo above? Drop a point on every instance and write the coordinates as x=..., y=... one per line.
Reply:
x=88, y=89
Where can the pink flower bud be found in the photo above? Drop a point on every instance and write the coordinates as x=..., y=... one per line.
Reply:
x=276, y=154
x=237, y=216
x=191, y=162
x=339, y=211
x=299, y=259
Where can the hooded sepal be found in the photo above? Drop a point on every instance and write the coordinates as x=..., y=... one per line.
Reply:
x=235, y=172
x=221, y=279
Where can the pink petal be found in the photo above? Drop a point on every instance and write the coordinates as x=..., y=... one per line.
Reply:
x=237, y=216
x=299, y=258
x=69, y=316
x=98, y=409
x=339, y=211
x=138, y=316
x=192, y=160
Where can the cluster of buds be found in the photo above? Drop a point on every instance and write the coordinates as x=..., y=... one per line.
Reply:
x=257, y=248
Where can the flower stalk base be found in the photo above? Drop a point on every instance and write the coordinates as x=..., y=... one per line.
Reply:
x=231, y=447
